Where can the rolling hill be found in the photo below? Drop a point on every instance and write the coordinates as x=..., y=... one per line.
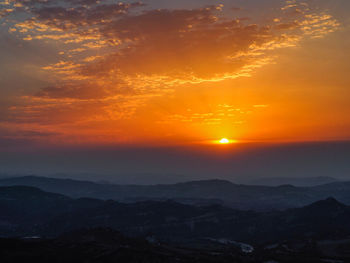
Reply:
x=244, y=197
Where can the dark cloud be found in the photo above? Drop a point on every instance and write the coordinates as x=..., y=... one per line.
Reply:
x=179, y=42
x=31, y=3
x=85, y=91
x=12, y=138
x=79, y=91
x=182, y=44
x=56, y=113
x=236, y=8
x=29, y=133
x=286, y=26
x=75, y=17
x=84, y=2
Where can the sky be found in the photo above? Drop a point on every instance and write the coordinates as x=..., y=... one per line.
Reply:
x=166, y=74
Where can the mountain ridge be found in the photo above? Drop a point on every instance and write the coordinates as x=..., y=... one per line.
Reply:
x=214, y=191
x=170, y=221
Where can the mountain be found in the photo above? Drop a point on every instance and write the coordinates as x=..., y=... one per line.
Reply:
x=27, y=211
x=295, y=181
x=244, y=197
x=24, y=209
x=70, y=187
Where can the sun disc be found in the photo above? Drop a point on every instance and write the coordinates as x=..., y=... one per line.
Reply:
x=224, y=141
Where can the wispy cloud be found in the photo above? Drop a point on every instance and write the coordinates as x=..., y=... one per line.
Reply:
x=116, y=56
x=217, y=115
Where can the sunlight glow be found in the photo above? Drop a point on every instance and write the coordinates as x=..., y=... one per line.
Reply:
x=224, y=141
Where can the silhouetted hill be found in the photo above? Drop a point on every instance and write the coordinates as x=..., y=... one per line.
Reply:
x=196, y=192
x=327, y=204
x=70, y=187
x=295, y=181
x=23, y=207
x=20, y=192
x=26, y=211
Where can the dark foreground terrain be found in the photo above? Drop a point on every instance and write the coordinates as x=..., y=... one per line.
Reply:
x=47, y=227
x=106, y=245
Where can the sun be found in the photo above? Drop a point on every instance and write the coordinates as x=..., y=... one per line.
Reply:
x=224, y=141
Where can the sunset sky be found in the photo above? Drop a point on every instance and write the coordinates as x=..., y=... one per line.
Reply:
x=168, y=73
x=174, y=72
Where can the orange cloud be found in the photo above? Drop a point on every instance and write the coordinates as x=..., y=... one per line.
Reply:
x=114, y=58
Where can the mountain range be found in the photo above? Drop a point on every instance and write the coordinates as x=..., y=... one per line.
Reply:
x=295, y=181
x=29, y=211
x=237, y=196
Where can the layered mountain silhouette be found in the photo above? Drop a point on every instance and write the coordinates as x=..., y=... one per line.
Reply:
x=244, y=197
x=29, y=211
x=295, y=181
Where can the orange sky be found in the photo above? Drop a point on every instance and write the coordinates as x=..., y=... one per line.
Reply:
x=185, y=73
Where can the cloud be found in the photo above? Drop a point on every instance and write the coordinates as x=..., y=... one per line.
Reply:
x=80, y=16
x=218, y=115
x=81, y=91
x=167, y=47
x=14, y=135
x=114, y=57
x=182, y=44
x=286, y=26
